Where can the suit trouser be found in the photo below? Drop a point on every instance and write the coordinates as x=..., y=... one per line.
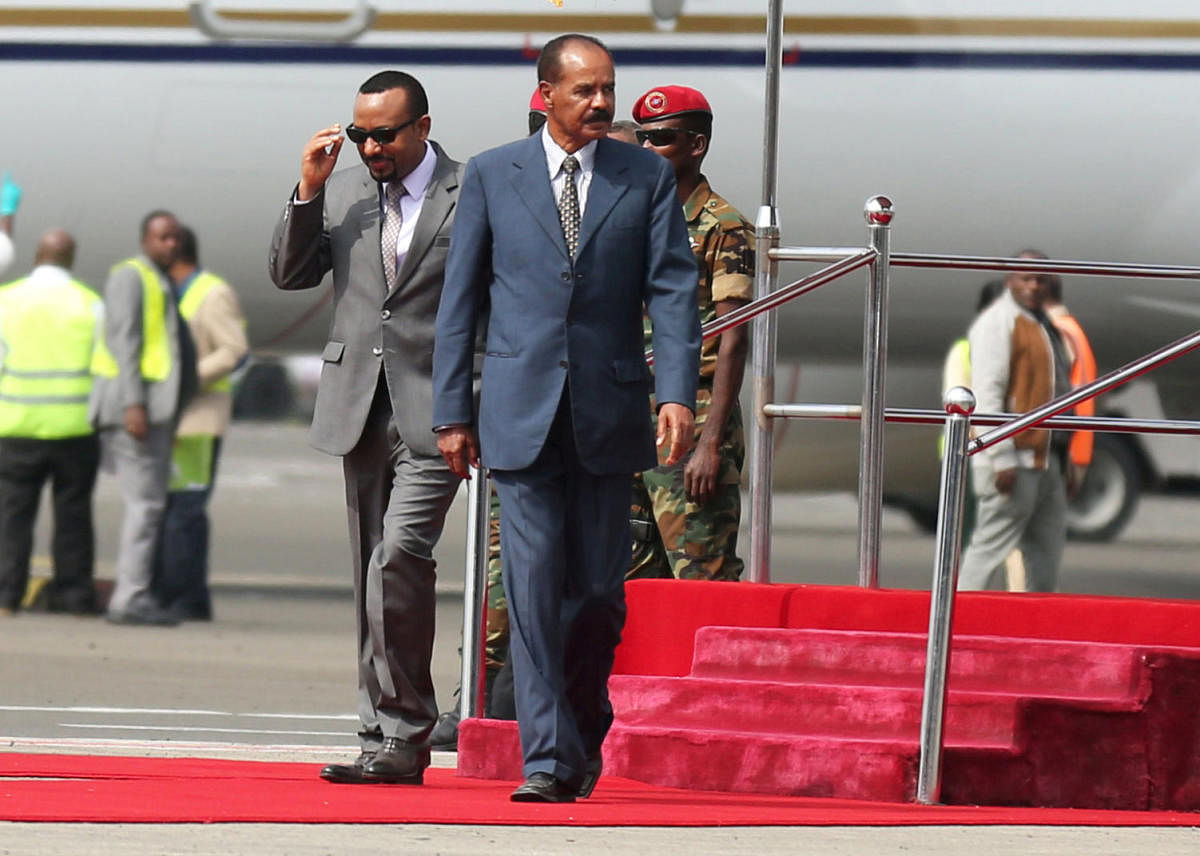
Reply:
x=565, y=541
x=143, y=470
x=396, y=501
x=1032, y=517
x=70, y=464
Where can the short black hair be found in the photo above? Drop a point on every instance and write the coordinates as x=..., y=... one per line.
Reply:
x=549, y=65
x=151, y=217
x=187, y=252
x=385, y=81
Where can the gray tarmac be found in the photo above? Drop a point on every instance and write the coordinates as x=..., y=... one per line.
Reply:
x=273, y=676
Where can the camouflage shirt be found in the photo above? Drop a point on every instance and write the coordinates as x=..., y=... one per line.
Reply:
x=723, y=244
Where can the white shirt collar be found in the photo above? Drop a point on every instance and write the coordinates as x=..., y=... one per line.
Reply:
x=555, y=154
x=417, y=181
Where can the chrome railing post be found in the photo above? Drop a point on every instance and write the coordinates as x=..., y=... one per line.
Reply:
x=879, y=213
x=766, y=233
x=474, y=594
x=960, y=404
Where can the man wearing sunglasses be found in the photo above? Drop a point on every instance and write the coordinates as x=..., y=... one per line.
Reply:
x=383, y=229
x=685, y=515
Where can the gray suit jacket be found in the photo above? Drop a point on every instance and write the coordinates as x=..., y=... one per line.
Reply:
x=372, y=330
x=123, y=335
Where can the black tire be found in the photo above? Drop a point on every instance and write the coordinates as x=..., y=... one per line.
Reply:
x=1109, y=494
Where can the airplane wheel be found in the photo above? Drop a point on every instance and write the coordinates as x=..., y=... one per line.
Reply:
x=1109, y=494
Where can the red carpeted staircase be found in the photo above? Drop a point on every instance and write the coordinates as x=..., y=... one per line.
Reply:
x=1032, y=719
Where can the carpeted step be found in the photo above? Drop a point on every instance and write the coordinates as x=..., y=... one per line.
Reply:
x=764, y=707
x=984, y=663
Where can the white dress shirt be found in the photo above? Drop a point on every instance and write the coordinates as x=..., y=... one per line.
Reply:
x=558, y=179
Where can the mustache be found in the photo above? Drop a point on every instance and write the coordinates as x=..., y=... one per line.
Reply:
x=599, y=114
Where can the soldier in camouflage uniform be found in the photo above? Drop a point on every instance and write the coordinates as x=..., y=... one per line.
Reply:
x=685, y=517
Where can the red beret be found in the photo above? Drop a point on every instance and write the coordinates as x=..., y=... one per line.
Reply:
x=663, y=102
x=537, y=104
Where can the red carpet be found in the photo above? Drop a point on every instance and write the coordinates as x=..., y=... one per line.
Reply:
x=65, y=788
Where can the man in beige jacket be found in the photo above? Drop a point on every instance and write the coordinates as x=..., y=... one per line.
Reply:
x=215, y=320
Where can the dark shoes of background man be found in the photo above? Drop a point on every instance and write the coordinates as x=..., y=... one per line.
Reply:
x=396, y=763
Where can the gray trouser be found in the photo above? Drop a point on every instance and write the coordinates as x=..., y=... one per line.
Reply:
x=396, y=501
x=1033, y=517
x=143, y=469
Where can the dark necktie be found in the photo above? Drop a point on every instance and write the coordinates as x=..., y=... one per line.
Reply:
x=391, y=232
x=568, y=205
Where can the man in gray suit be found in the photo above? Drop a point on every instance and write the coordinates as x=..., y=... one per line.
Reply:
x=145, y=372
x=566, y=234
x=383, y=229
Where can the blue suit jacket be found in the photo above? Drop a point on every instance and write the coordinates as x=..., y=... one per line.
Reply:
x=555, y=320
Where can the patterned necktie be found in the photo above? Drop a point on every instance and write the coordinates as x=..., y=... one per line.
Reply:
x=568, y=205
x=391, y=232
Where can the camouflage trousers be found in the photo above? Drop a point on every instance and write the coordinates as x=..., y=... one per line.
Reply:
x=674, y=537
x=496, y=651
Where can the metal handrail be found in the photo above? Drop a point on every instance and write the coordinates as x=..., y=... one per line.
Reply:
x=998, y=263
x=918, y=416
x=750, y=311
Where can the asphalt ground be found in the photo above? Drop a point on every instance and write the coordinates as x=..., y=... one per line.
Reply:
x=273, y=675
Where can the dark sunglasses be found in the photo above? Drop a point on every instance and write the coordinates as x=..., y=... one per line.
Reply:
x=660, y=136
x=383, y=136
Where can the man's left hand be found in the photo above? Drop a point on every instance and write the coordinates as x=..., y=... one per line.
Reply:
x=676, y=427
x=700, y=474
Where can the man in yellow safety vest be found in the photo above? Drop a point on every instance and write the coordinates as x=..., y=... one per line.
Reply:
x=47, y=328
x=145, y=373
x=210, y=307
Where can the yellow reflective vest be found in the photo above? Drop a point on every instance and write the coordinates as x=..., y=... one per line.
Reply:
x=48, y=330
x=156, y=346
x=197, y=290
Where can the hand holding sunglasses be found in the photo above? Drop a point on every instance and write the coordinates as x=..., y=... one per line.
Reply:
x=317, y=163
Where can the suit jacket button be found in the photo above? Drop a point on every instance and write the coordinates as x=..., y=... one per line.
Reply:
x=385, y=314
x=566, y=276
x=562, y=364
x=377, y=351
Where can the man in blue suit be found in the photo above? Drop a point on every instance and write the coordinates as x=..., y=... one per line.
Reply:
x=563, y=237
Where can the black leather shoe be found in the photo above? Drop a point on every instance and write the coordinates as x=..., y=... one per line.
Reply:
x=543, y=787
x=444, y=737
x=349, y=774
x=591, y=775
x=398, y=763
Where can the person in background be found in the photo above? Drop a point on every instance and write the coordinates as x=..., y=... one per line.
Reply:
x=685, y=515
x=1083, y=371
x=624, y=130
x=10, y=200
x=956, y=371
x=210, y=307
x=537, y=111
x=145, y=374
x=1018, y=363
x=48, y=324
